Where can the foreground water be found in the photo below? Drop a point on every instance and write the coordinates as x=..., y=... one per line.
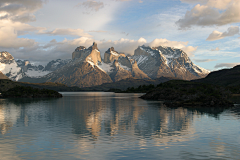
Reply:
x=114, y=126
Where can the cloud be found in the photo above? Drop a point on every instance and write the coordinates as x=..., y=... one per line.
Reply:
x=63, y=49
x=216, y=49
x=20, y=10
x=123, y=0
x=99, y=31
x=227, y=65
x=204, y=60
x=216, y=35
x=9, y=39
x=219, y=4
x=212, y=12
x=20, y=28
x=91, y=4
x=194, y=1
x=140, y=1
x=69, y=31
x=126, y=34
x=126, y=46
x=176, y=44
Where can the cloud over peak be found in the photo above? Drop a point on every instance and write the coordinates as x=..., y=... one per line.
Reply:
x=176, y=44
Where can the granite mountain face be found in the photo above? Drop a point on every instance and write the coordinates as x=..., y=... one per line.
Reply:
x=87, y=68
x=167, y=62
x=82, y=70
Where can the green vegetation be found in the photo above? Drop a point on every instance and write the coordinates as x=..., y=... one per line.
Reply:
x=186, y=93
x=127, y=84
x=139, y=89
x=29, y=92
x=6, y=84
x=12, y=89
x=52, y=86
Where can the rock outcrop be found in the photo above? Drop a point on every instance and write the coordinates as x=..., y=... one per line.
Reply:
x=137, y=73
x=83, y=70
x=91, y=54
x=111, y=55
x=2, y=76
x=119, y=73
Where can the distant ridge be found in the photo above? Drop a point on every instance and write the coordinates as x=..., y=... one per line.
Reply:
x=126, y=83
x=87, y=68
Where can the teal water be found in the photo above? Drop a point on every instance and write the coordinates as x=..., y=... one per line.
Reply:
x=114, y=126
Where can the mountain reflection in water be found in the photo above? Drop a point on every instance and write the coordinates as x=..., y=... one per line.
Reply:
x=113, y=126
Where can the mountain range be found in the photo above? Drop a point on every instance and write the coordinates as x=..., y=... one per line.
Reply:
x=87, y=68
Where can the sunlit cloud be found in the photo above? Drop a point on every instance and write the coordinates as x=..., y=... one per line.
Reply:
x=91, y=4
x=176, y=44
x=227, y=65
x=210, y=12
x=98, y=31
x=9, y=39
x=215, y=49
x=204, y=60
x=216, y=35
x=20, y=10
x=68, y=32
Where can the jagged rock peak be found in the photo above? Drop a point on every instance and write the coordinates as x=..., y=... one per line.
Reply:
x=94, y=46
x=5, y=56
x=80, y=48
x=111, y=55
x=111, y=49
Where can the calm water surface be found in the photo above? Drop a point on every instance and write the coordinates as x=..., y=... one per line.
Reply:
x=114, y=126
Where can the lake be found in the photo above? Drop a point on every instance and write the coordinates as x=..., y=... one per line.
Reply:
x=98, y=125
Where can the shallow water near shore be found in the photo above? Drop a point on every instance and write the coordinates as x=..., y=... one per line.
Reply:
x=99, y=125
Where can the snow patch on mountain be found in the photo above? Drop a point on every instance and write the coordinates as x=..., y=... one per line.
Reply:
x=106, y=67
x=114, y=53
x=90, y=61
x=36, y=73
x=124, y=67
x=11, y=70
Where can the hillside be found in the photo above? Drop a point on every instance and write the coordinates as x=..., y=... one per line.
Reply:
x=224, y=77
x=177, y=93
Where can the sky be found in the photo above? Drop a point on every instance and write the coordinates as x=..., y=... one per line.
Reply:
x=45, y=30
